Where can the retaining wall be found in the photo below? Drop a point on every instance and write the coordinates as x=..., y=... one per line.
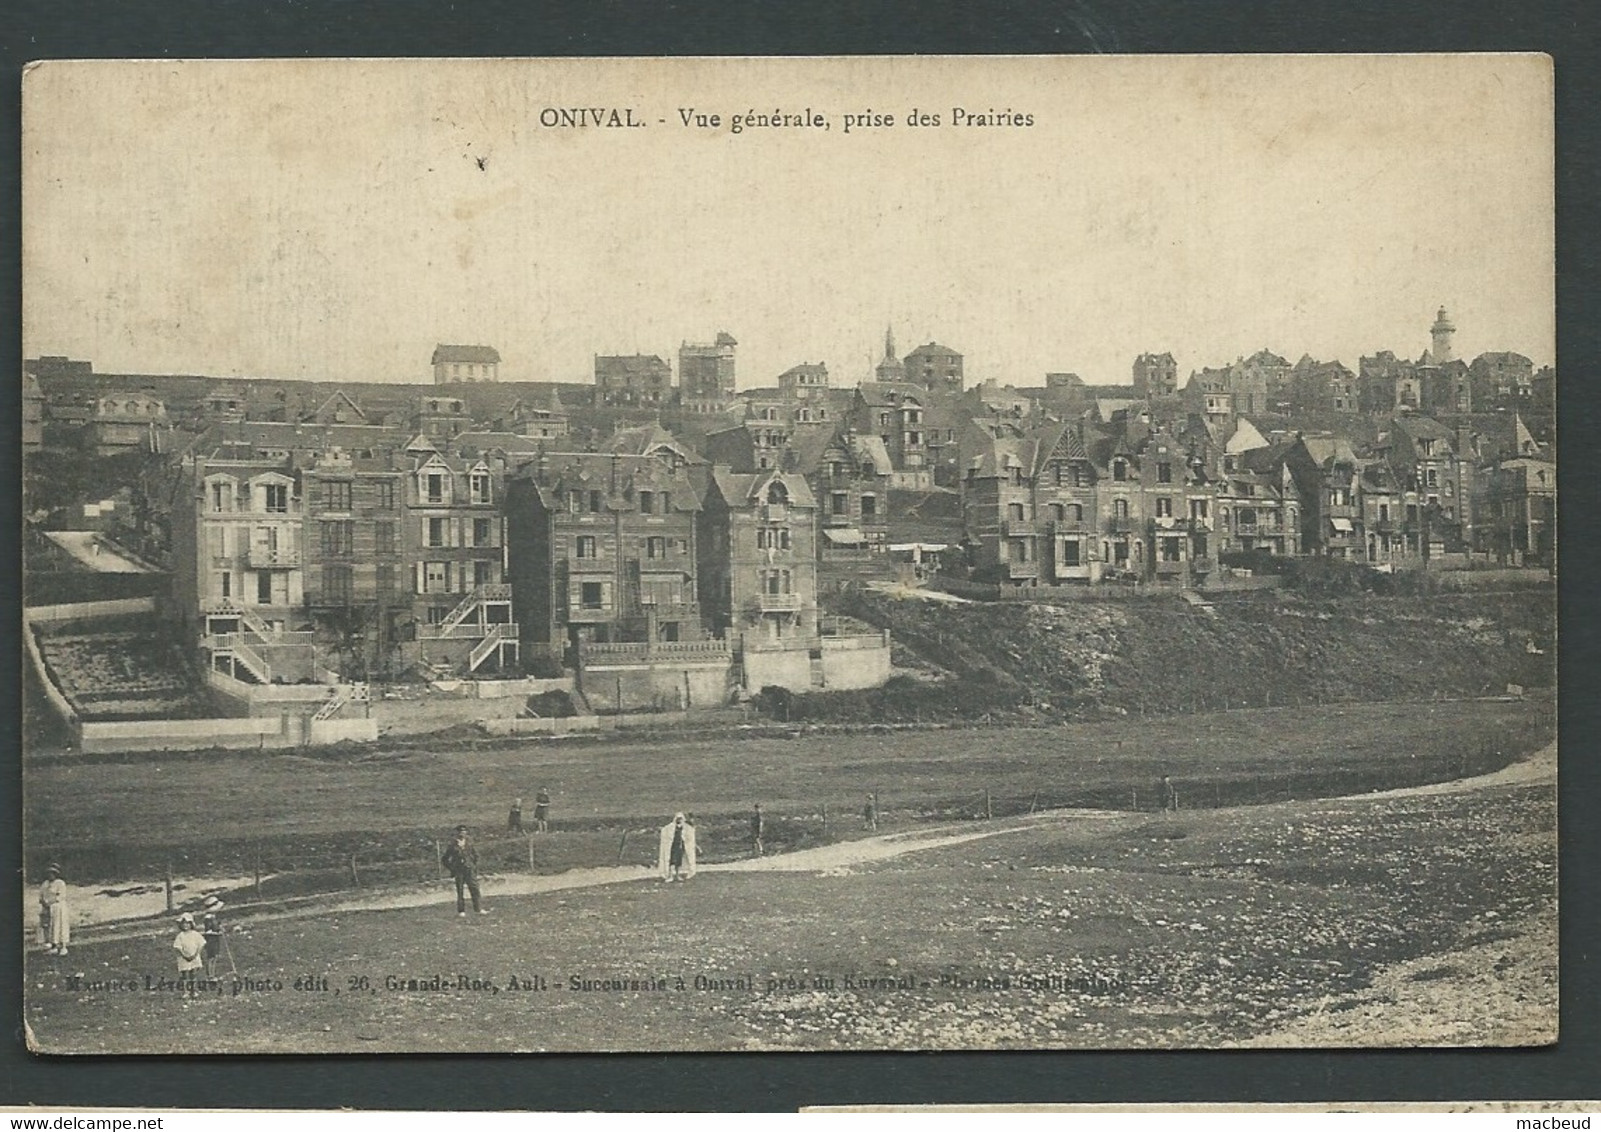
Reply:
x=855, y=662
x=665, y=685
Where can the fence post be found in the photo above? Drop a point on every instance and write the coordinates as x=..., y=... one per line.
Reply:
x=530, y=852
x=258, y=874
x=620, y=845
x=355, y=875
x=825, y=819
x=1032, y=801
x=1134, y=799
x=439, y=856
x=169, y=886
x=989, y=808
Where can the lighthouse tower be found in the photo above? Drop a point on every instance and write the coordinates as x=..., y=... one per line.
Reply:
x=1442, y=330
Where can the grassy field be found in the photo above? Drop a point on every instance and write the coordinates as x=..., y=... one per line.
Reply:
x=1136, y=930
x=300, y=817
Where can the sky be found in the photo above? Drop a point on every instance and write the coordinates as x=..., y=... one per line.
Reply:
x=334, y=220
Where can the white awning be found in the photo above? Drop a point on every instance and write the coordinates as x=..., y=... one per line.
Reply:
x=844, y=536
x=924, y=547
x=1341, y=525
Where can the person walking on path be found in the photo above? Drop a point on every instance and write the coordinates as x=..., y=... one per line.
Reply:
x=675, y=859
x=191, y=948
x=514, y=820
x=55, y=918
x=541, y=810
x=461, y=858
x=870, y=813
x=758, y=826
x=1170, y=796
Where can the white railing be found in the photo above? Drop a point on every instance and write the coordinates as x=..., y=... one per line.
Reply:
x=343, y=694
x=491, y=643
x=254, y=662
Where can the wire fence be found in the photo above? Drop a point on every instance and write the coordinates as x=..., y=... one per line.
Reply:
x=295, y=866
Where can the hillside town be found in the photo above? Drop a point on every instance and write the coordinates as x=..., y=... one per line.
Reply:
x=665, y=538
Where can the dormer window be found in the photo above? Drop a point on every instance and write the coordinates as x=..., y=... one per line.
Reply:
x=435, y=487
x=647, y=503
x=275, y=498
x=479, y=487
x=1119, y=470
x=777, y=492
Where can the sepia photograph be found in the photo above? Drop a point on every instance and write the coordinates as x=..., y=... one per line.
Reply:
x=779, y=554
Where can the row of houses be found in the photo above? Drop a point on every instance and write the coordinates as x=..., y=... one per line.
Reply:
x=297, y=551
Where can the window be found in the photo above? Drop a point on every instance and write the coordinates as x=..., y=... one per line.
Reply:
x=275, y=497
x=777, y=581
x=336, y=495
x=597, y=503
x=1070, y=552
x=264, y=586
x=883, y=420
x=913, y=417
x=587, y=547
x=1120, y=470
x=437, y=532
x=590, y=595
x=478, y=488
x=1431, y=477
x=1170, y=550
x=222, y=496
x=914, y=439
x=869, y=506
x=483, y=572
x=656, y=546
x=647, y=503
x=1120, y=509
x=1246, y=516
x=434, y=487
x=1014, y=512
x=1164, y=472
x=338, y=538
x=483, y=532
x=1384, y=512
x=1197, y=508
x=1018, y=549
x=1075, y=512
x=386, y=578
x=777, y=492
x=435, y=577
x=772, y=538
x=575, y=502
x=336, y=583
x=1164, y=507
x=227, y=584
x=384, y=495
x=1057, y=512
x=840, y=503
x=383, y=536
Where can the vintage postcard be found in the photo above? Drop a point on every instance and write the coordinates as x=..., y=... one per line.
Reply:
x=789, y=554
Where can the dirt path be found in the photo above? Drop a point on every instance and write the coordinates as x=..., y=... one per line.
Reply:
x=1539, y=767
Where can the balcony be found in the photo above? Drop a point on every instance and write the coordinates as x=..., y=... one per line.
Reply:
x=272, y=557
x=1069, y=526
x=778, y=603
x=1122, y=526
x=1019, y=528
x=1199, y=524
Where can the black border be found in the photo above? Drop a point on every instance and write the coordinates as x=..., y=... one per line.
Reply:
x=1565, y=29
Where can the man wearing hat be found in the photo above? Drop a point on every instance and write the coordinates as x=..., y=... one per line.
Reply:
x=461, y=858
x=211, y=929
x=191, y=948
x=55, y=920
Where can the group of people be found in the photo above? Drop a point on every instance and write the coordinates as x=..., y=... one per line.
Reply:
x=514, y=820
x=200, y=949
